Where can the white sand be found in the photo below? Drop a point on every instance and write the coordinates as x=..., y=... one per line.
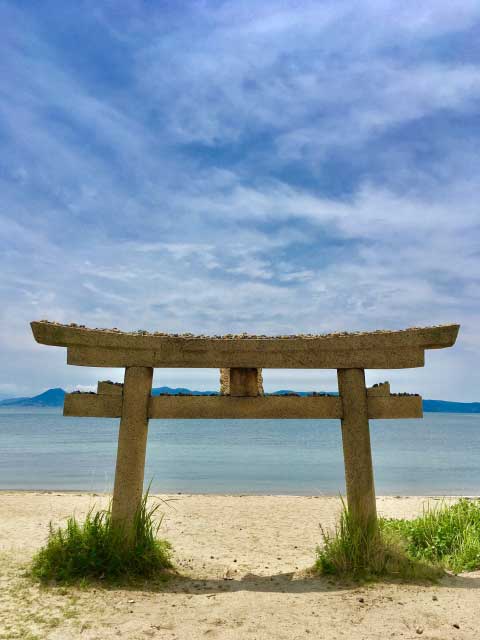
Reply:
x=265, y=543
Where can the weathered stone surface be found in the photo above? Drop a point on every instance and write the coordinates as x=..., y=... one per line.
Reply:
x=91, y=405
x=306, y=357
x=260, y=407
x=374, y=350
x=55, y=333
x=132, y=445
x=240, y=382
x=227, y=407
x=379, y=389
x=357, y=452
x=393, y=406
x=224, y=382
x=109, y=388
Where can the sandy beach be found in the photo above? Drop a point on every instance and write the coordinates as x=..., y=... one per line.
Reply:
x=243, y=573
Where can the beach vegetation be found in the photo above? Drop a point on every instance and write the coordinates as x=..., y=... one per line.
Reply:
x=100, y=549
x=446, y=537
x=446, y=533
x=369, y=551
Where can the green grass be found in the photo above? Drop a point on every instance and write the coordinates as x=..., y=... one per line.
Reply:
x=369, y=552
x=97, y=549
x=447, y=534
x=444, y=537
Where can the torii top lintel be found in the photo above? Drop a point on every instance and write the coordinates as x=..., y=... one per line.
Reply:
x=369, y=350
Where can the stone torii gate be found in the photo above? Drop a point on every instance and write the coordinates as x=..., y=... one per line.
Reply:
x=241, y=359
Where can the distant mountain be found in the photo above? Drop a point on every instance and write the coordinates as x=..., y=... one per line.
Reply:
x=50, y=398
x=54, y=398
x=179, y=390
x=443, y=406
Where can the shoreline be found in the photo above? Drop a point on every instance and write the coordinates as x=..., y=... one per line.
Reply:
x=393, y=496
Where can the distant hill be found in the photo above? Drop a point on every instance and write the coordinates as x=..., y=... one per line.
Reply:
x=54, y=398
x=50, y=398
x=443, y=406
x=179, y=390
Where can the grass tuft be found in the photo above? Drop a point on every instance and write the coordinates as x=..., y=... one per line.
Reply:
x=97, y=548
x=370, y=552
x=447, y=534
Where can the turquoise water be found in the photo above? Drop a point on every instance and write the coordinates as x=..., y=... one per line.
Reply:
x=439, y=455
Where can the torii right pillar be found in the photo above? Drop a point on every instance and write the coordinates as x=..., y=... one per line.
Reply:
x=357, y=452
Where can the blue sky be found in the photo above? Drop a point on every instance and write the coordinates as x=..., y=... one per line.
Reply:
x=227, y=166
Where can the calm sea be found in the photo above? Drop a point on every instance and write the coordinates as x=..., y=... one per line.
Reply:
x=439, y=455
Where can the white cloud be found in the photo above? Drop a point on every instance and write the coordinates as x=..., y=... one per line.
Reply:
x=201, y=196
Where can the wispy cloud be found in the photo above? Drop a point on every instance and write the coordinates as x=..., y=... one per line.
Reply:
x=278, y=169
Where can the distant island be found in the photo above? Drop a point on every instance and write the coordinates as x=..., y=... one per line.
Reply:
x=54, y=398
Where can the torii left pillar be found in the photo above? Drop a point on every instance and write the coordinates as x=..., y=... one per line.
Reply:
x=132, y=446
x=357, y=452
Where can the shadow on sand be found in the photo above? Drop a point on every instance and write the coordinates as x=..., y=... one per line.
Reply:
x=290, y=582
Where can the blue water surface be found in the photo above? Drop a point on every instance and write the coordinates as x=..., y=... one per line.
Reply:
x=439, y=455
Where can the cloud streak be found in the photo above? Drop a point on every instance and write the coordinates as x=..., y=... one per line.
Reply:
x=277, y=169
